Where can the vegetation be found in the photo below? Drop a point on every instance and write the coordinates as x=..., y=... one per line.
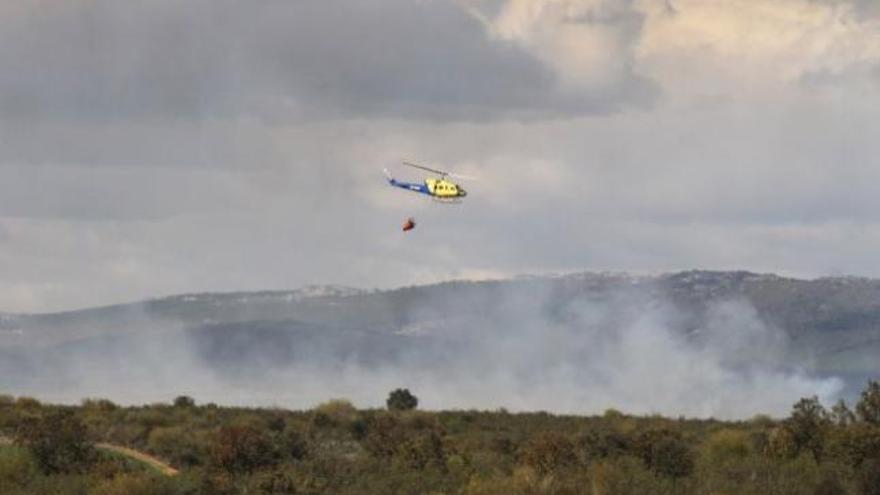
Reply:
x=401, y=400
x=336, y=448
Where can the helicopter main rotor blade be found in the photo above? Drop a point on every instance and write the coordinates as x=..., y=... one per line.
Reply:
x=439, y=172
x=464, y=177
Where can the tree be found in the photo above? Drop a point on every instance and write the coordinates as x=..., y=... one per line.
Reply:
x=841, y=415
x=868, y=408
x=401, y=400
x=184, y=401
x=807, y=424
x=58, y=442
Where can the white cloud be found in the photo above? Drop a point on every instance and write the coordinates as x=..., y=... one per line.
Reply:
x=749, y=48
x=587, y=42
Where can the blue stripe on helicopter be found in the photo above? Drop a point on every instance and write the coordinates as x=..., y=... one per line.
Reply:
x=410, y=186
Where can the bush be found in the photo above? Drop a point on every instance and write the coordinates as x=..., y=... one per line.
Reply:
x=294, y=443
x=333, y=413
x=100, y=405
x=140, y=484
x=177, y=445
x=869, y=477
x=830, y=486
x=728, y=445
x=625, y=475
x=27, y=404
x=856, y=443
x=603, y=444
x=671, y=457
x=422, y=452
x=665, y=453
x=274, y=482
x=384, y=436
x=242, y=449
x=781, y=443
x=58, y=442
x=548, y=452
x=17, y=468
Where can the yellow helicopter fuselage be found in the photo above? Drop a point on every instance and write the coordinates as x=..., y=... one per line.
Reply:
x=442, y=188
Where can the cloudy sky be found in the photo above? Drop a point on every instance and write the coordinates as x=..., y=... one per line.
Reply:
x=169, y=146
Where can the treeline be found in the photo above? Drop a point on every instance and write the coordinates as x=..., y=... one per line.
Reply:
x=338, y=449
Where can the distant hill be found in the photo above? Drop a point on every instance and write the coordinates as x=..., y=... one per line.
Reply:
x=823, y=327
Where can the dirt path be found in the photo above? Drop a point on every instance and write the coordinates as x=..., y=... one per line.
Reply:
x=156, y=464
x=140, y=456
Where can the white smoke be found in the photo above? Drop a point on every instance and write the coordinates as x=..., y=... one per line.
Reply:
x=521, y=350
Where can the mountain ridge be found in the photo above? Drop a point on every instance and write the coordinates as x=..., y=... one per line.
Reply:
x=336, y=290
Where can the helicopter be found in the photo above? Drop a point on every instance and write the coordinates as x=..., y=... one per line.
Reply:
x=439, y=188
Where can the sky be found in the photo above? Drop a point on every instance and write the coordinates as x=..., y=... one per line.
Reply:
x=171, y=146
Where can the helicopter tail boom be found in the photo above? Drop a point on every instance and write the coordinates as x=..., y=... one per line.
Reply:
x=409, y=186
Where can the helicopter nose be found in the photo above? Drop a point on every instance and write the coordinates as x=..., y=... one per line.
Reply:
x=462, y=192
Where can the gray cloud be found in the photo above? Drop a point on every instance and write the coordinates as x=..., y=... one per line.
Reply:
x=187, y=146
x=866, y=9
x=103, y=62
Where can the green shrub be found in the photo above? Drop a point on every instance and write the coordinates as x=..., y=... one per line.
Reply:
x=178, y=445
x=781, y=443
x=727, y=446
x=422, y=452
x=58, y=442
x=339, y=411
x=603, y=443
x=548, y=452
x=99, y=405
x=625, y=476
x=17, y=468
x=869, y=477
x=27, y=404
x=242, y=449
x=665, y=453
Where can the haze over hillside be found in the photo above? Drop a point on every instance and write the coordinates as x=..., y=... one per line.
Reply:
x=724, y=344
